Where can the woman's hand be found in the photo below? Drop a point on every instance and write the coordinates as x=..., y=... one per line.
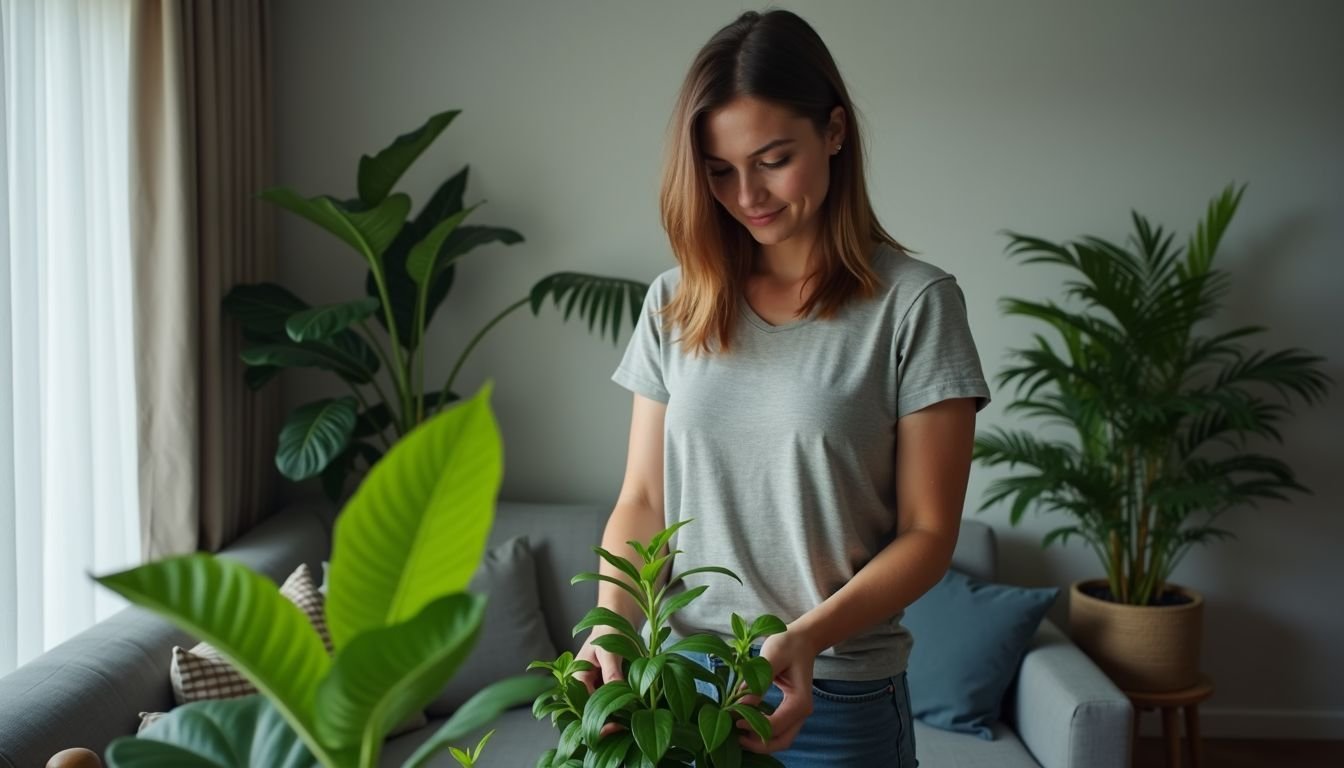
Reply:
x=792, y=657
x=606, y=665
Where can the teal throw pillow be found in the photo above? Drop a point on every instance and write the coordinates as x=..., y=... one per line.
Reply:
x=969, y=638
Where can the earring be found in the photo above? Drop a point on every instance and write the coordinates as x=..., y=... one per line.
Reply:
x=837, y=148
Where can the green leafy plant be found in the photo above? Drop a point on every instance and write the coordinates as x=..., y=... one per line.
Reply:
x=1159, y=414
x=403, y=551
x=411, y=263
x=663, y=719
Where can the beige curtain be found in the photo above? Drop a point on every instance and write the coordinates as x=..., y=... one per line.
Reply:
x=201, y=150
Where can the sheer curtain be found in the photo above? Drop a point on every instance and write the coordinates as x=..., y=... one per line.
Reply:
x=68, y=449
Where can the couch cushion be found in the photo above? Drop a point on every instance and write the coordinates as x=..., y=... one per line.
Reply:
x=937, y=748
x=513, y=633
x=562, y=537
x=970, y=636
x=518, y=741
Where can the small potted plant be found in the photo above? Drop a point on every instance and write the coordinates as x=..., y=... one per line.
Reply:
x=1159, y=415
x=657, y=716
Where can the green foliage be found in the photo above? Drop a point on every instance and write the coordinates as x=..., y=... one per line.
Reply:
x=410, y=271
x=1159, y=415
x=662, y=719
x=403, y=549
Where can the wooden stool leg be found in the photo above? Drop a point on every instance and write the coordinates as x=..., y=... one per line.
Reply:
x=1171, y=733
x=1134, y=739
x=1192, y=735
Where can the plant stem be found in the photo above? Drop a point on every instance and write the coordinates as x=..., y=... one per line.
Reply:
x=365, y=405
x=399, y=375
x=374, y=379
x=448, y=387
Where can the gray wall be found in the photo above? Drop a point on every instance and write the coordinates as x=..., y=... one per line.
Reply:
x=1049, y=117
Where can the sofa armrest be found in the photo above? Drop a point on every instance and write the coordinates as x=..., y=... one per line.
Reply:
x=1064, y=708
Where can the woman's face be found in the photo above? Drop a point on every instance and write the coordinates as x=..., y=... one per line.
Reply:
x=768, y=167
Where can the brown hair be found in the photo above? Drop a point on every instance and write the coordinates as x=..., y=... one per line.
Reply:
x=776, y=57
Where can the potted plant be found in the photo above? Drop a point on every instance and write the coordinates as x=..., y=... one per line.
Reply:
x=404, y=548
x=1159, y=415
x=410, y=271
x=656, y=716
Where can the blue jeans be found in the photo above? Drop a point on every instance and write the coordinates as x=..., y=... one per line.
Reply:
x=864, y=723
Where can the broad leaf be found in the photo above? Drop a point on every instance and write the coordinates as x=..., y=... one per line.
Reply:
x=416, y=527
x=321, y=322
x=384, y=675
x=476, y=712
x=242, y=614
x=379, y=174
x=425, y=261
x=233, y=733
x=653, y=732
x=606, y=701
x=369, y=232
x=346, y=354
x=313, y=435
x=715, y=726
x=263, y=307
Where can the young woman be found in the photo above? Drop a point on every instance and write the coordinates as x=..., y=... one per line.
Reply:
x=804, y=389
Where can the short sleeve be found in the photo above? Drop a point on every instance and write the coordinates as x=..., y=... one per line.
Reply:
x=935, y=355
x=641, y=370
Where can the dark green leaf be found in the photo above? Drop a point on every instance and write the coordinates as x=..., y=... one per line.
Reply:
x=313, y=435
x=322, y=322
x=379, y=174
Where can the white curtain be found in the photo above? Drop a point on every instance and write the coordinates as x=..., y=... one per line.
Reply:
x=68, y=451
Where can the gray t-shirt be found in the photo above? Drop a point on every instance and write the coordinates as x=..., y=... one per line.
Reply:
x=783, y=450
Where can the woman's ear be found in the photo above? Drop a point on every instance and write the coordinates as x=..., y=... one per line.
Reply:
x=835, y=129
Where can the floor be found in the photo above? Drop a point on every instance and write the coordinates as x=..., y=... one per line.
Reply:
x=1249, y=753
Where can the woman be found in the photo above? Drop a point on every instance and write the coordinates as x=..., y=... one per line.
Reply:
x=804, y=389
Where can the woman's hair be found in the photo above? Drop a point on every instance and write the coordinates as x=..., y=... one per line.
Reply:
x=776, y=57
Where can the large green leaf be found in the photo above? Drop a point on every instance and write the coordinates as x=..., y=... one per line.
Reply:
x=479, y=710
x=386, y=674
x=369, y=232
x=653, y=732
x=242, y=614
x=313, y=435
x=346, y=354
x=263, y=307
x=378, y=174
x=321, y=322
x=234, y=733
x=402, y=290
x=425, y=262
x=416, y=527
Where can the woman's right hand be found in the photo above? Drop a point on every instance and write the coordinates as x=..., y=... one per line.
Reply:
x=606, y=665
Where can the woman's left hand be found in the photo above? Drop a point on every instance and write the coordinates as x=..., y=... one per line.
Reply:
x=792, y=658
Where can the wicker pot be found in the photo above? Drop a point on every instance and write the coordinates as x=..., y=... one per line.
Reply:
x=1140, y=647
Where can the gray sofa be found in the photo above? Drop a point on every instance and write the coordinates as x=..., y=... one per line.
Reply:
x=1060, y=712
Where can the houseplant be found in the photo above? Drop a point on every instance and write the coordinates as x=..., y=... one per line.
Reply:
x=404, y=548
x=1160, y=416
x=410, y=271
x=663, y=720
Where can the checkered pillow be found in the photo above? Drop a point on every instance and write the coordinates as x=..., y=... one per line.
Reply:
x=202, y=673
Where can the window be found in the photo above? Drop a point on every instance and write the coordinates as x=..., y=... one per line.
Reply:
x=68, y=458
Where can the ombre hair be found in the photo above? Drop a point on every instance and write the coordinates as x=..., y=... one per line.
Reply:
x=776, y=57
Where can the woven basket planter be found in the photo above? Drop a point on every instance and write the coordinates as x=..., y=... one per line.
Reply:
x=1140, y=647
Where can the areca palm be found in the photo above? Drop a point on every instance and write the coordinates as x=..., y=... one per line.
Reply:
x=1160, y=416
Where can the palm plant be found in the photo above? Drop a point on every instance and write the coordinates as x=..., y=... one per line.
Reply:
x=410, y=271
x=1161, y=415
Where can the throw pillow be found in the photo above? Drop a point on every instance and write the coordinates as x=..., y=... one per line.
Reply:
x=202, y=673
x=969, y=638
x=513, y=631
